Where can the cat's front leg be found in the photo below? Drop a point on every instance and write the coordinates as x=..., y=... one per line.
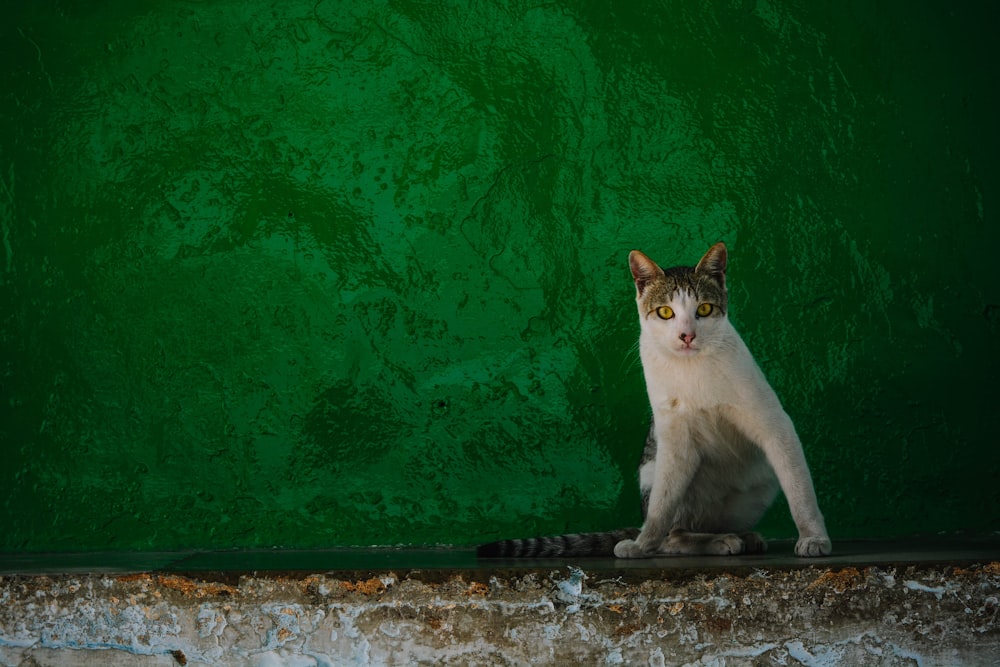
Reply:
x=796, y=482
x=772, y=429
x=667, y=478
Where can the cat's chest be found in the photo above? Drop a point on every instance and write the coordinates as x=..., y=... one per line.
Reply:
x=689, y=395
x=697, y=385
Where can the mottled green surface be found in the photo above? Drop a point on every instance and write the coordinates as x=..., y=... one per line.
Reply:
x=327, y=273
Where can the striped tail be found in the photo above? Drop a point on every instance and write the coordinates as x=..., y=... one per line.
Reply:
x=579, y=545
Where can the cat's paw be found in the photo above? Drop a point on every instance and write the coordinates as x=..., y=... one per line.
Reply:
x=725, y=545
x=811, y=547
x=631, y=549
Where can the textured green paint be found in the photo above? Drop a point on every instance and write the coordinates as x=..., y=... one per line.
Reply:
x=336, y=273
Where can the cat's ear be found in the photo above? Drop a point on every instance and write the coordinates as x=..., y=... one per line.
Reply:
x=644, y=270
x=714, y=263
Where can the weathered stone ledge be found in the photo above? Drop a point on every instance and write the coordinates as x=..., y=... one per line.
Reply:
x=881, y=614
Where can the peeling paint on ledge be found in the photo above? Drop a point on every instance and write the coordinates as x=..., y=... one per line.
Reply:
x=878, y=615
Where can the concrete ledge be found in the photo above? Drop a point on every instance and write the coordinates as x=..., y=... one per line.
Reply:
x=728, y=611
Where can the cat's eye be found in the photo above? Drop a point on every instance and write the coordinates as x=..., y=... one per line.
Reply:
x=665, y=312
x=705, y=309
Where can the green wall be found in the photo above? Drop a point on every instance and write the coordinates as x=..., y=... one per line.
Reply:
x=327, y=273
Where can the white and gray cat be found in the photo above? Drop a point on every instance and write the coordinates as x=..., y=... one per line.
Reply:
x=719, y=443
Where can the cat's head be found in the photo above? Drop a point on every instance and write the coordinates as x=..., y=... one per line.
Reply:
x=683, y=309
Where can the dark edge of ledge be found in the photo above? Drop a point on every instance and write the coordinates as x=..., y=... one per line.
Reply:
x=440, y=563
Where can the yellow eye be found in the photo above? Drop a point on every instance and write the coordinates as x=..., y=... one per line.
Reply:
x=665, y=312
x=705, y=309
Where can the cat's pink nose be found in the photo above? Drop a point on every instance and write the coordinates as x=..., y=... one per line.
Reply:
x=687, y=338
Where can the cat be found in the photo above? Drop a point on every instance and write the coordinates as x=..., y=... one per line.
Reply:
x=719, y=442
